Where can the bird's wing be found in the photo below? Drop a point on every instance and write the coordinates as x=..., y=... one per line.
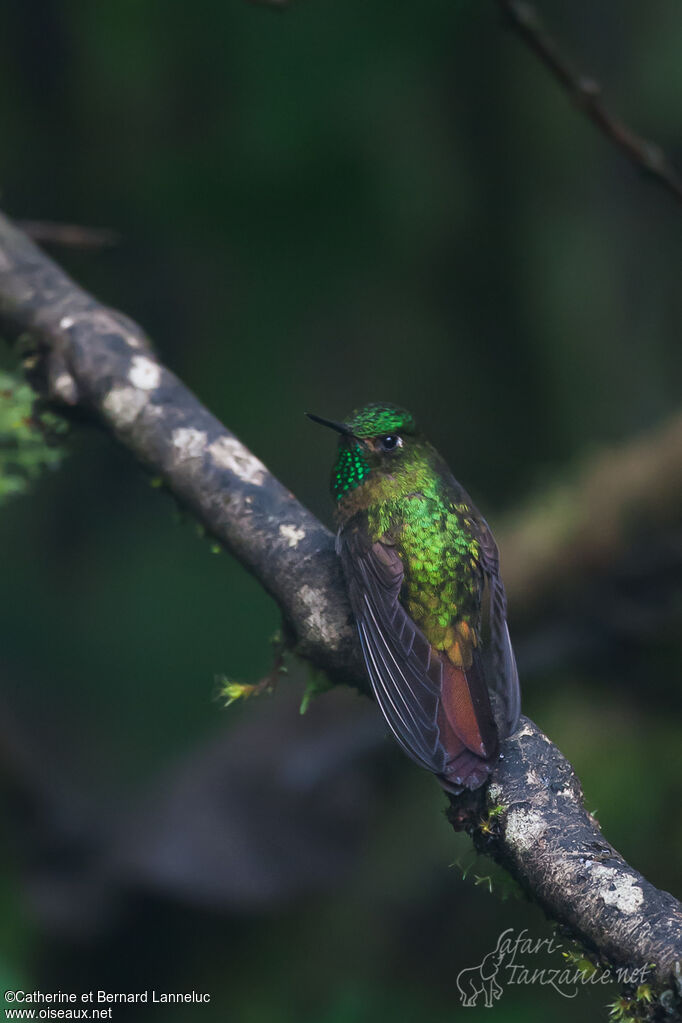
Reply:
x=501, y=673
x=436, y=711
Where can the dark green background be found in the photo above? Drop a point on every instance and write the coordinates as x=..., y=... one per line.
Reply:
x=336, y=203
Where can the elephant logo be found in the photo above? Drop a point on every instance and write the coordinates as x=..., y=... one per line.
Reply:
x=481, y=980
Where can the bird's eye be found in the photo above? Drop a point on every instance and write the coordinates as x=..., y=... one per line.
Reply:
x=390, y=442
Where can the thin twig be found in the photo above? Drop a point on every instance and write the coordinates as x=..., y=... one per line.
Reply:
x=74, y=236
x=585, y=93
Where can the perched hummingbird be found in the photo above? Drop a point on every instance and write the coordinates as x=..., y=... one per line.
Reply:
x=422, y=572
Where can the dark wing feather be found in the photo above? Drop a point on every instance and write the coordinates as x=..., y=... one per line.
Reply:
x=501, y=674
x=406, y=678
x=439, y=714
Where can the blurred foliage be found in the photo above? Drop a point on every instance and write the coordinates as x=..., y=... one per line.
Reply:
x=27, y=438
x=320, y=206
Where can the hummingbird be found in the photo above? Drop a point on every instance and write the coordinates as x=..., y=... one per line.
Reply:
x=422, y=573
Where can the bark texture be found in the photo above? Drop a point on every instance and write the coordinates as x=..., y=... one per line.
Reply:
x=555, y=849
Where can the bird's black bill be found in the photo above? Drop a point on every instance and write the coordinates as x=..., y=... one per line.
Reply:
x=339, y=427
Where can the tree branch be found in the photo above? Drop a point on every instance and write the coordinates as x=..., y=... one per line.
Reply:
x=84, y=354
x=585, y=93
x=90, y=356
x=555, y=849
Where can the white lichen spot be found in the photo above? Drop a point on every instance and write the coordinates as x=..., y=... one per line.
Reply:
x=64, y=387
x=132, y=341
x=293, y=534
x=123, y=405
x=314, y=602
x=144, y=373
x=190, y=443
x=66, y=322
x=526, y=729
x=616, y=889
x=524, y=828
x=495, y=791
x=229, y=453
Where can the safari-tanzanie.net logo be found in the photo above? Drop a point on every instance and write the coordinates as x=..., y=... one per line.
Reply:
x=519, y=960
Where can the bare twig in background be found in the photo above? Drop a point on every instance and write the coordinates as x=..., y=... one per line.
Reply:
x=89, y=356
x=74, y=236
x=586, y=94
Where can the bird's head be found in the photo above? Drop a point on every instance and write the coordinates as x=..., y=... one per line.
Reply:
x=377, y=442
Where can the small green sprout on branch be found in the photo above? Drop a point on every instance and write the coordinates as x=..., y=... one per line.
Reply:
x=230, y=691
